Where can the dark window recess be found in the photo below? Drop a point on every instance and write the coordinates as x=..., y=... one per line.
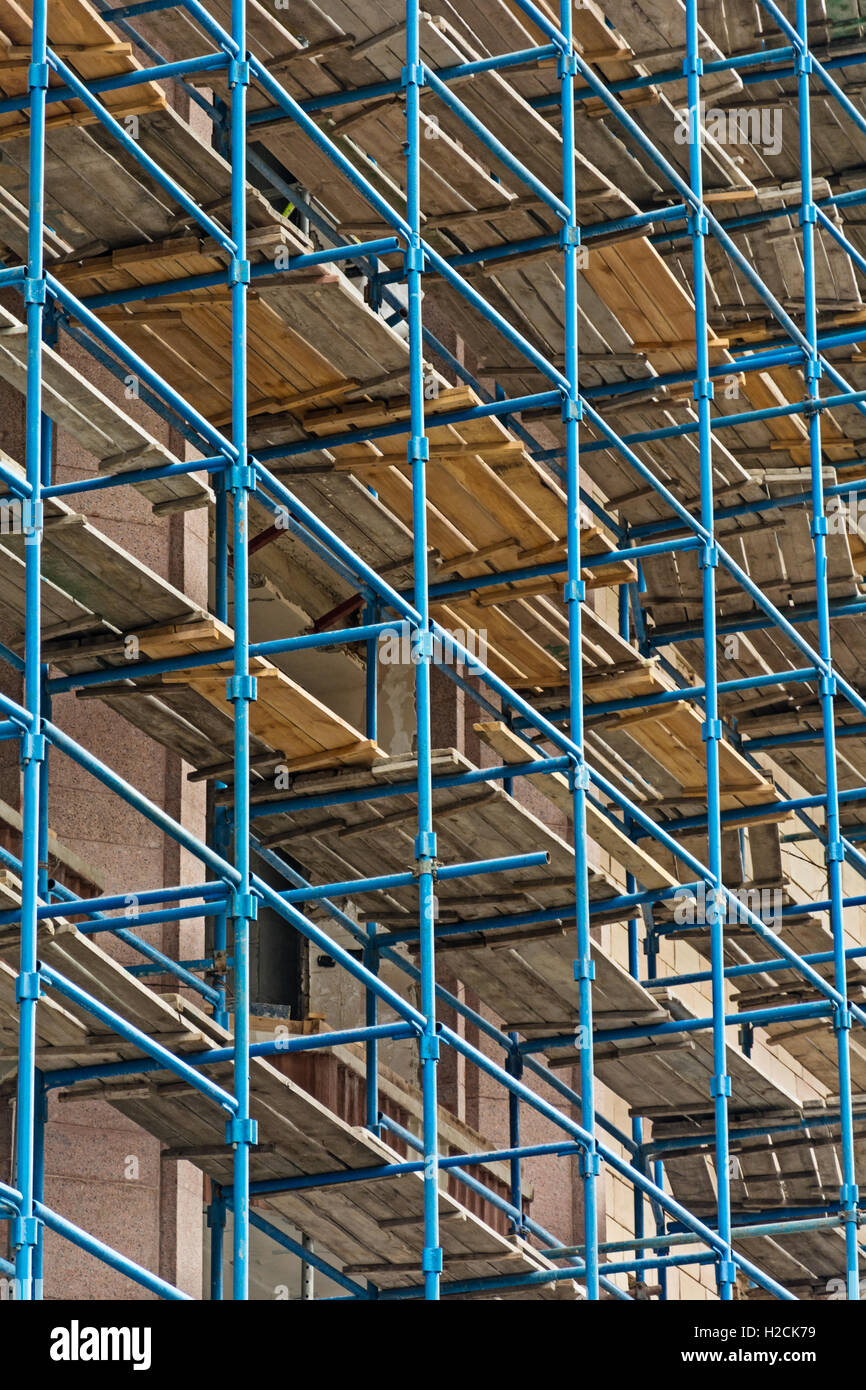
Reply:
x=279, y=958
x=279, y=955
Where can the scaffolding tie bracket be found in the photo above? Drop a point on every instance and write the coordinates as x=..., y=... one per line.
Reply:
x=431, y=1259
x=35, y=291
x=843, y=1019
x=425, y=848
x=241, y=688
x=578, y=777
x=849, y=1196
x=242, y=1131
x=241, y=477
x=589, y=1163
x=24, y=1231
x=720, y=1086
x=698, y=224
x=419, y=449
x=239, y=271
x=37, y=76
x=245, y=905
x=414, y=259
x=412, y=75
x=28, y=986
x=813, y=370
x=32, y=748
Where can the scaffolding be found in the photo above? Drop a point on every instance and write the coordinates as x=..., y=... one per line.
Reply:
x=537, y=740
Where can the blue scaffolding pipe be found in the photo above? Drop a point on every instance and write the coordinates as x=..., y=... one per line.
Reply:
x=279, y=1047
x=385, y=883
x=383, y=246
x=237, y=472
x=759, y=1018
x=477, y=1020
x=105, y=1253
x=210, y=62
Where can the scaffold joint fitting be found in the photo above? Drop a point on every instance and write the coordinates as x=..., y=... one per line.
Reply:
x=843, y=1019
x=720, y=1086
x=584, y=968
x=414, y=259
x=425, y=845
x=241, y=688
x=32, y=748
x=588, y=1163
x=419, y=448
x=28, y=985
x=849, y=1196
x=241, y=477
x=245, y=905
x=35, y=291
x=24, y=1231
x=242, y=1130
x=238, y=73
x=431, y=1259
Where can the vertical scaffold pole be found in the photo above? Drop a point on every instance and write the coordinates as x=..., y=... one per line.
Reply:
x=425, y=843
x=371, y=1047
x=25, y=1226
x=574, y=595
x=216, y=1220
x=720, y=1086
x=834, y=852
x=241, y=1129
